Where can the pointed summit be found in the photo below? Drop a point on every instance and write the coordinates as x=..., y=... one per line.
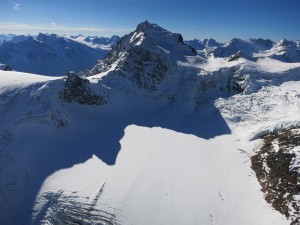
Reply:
x=150, y=38
x=143, y=26
x=157, y=33
x=284, y=42
x=145, y=56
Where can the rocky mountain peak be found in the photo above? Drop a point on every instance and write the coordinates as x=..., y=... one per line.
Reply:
x=144, y=26
x=284, y=42
x=41, y=37
x=158, y=34
x=150, y=40
x=5, y=67
x=145, y=57
x=210, y=42
x=77, y=90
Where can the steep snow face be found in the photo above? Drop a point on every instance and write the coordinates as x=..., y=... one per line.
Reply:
x=284, y=50
x=48, y=54
x=157, y=135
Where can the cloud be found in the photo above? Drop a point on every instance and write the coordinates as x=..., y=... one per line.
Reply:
x=19, y=28
x=16, y=6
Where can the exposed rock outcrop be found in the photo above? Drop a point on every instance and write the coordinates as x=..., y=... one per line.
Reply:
x=77, y=90
x=277, y=168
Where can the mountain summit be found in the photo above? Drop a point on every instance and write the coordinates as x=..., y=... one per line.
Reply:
x=150, y=39
x=158, y=62
x=147, y=33
x=145, y=56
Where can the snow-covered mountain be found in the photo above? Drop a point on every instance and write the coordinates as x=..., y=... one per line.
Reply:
x=252, y=49
x=50, y=54
x=6, y=37
x=97, y=42
x=248, y=47
x=153, y=134
x=203, y=44
x=284, y=50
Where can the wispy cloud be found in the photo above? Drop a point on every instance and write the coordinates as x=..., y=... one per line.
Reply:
x=16, y=6
x=53, y=27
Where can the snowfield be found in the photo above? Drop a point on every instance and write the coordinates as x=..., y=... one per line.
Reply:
x=19, y=80
x=166, y=177
x=171, y=142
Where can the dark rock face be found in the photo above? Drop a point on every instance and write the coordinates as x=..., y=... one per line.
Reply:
x=77, y=90
x=148, y=70
x=7, y=68
x=145, y=56
x=235, y=56
x=264, y=43
x=277, y=173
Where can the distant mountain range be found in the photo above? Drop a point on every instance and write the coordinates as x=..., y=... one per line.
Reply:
x=252, y=49
x=51, y=54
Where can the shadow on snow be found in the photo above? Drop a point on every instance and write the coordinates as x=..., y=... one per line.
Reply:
x=98, y=131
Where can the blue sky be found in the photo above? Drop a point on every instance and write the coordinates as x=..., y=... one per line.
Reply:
x=221, y=19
